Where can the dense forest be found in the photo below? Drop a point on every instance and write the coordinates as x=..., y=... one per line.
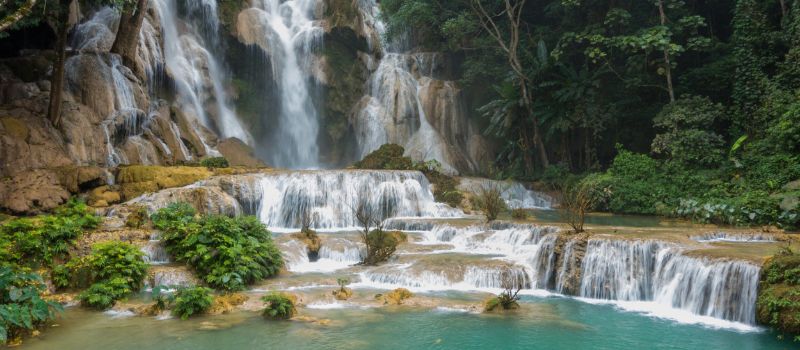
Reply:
x=685, y=108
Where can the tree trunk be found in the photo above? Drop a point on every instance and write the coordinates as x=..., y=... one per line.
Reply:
x=127, y=38
x=57, y=80
x=667, y=63
x=19, y=14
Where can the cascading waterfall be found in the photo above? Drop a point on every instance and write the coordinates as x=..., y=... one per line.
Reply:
x=330, y=196
x=393, y=110
x=292, y=36
x=193, y=67
x=735, y=237
x=620, y=270
x=656, y=271
x=335, y=254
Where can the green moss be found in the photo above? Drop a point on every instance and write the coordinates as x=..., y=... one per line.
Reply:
x=390, y=157
x=136, y=180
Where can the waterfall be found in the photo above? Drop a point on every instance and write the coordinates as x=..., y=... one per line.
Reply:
x=735, y=237
x=403, y=101
x=335, y=254
x=193, y=67
x=330, y=196
x=658, y=272
x=291, y=35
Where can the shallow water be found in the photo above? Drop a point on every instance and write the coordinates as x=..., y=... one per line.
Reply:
x=544, y=323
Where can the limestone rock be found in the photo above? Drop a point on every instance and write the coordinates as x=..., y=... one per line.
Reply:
x=396, y=297
x=103, y=195
x=32, y=192
x=138, y=179
x=239, y=154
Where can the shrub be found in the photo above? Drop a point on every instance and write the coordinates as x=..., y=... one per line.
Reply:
x=116, y=270
x=489, y=199
x=381, y=245
x=39, y=241
x=576, y=200
x=279, y=306
x=112, y=260
x=103, y=295
x=390, y=157
x=21, y=306
x=509, y=298
x=215, y=162
x=174, y=216
x=243, y=251
x=192, y=301
x=519, y=214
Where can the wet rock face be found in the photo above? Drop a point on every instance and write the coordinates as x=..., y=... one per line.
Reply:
x=570, y=250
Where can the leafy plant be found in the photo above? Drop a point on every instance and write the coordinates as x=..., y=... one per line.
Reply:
x=41, y=240
x=116, y=270
x=192, y=301
x=103, y=295
x=278, y=306
x=21, y=305
x=227, y=253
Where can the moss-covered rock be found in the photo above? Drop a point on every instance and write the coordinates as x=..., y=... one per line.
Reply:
x=227, y=302
x=139, y=179
x=396, y=297
x=342, y=293
x=778, y=304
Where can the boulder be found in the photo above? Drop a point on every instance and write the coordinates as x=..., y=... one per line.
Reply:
x=239, y=154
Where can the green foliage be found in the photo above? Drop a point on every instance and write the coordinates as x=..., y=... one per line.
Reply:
x=41, y=240
x=192, y=301
x=215, y=162
x=778, y=302
x=686, y=136
x=390, y=157
x=103, y=295
x=117, y=260
x=387, y=157
x=227, y=253
x=278, y=306
x=116, y=270
x=381, y=245
x=21, y=305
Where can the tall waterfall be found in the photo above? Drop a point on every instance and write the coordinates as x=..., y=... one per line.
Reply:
x=291, y=35
x=191, y=63
x=403, y=101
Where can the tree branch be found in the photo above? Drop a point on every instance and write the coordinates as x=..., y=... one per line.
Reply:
x=16, y=16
